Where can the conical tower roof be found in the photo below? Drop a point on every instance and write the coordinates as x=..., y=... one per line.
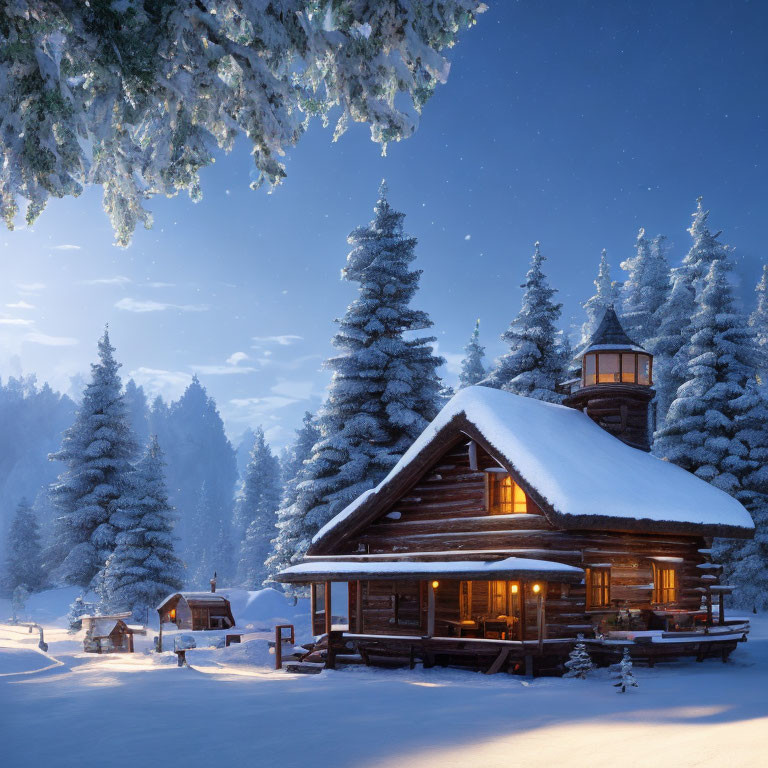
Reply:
x=610, y=335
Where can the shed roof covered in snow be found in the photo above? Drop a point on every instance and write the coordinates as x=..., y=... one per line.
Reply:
x=197, y=597
x=579, y=475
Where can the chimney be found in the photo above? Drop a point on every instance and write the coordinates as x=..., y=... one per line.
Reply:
x=213, y=582
x=616, y=379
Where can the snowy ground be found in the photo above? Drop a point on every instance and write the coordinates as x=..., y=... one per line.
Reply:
x=68, y=708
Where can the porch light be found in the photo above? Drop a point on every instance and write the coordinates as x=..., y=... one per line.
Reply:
x=513, y=589
x=435, y=584
x=536, y=589
x=172, y=614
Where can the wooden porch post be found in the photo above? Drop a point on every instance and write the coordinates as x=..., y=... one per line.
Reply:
x=328, y=608
x=709, y=607
x=359, y=607
x=540, y=620
x=312, y=605
x=160, y=636
x=430, y=609
x=721, y=608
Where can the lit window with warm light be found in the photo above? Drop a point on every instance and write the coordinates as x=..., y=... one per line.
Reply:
x=505, y=496
x=664, y=585
x=598, y=587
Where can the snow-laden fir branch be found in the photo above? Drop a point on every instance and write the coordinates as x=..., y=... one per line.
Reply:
x=136, y=97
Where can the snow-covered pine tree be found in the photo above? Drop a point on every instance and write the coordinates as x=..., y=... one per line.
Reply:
x=645, y=289
x=144, y=568
x=622, y=673
x=290, y=515
x=758, y=320
x=77, y=609
x=24, y=559
x=97, y=451
x=534, y=365
x=745, y=562
x=672, y=321
x=607, y=295
x=700, y=432
x=138, y=412
x=705, y=249
x=385, y=388
x=472, y=368
x=579, y=664
x=191, y=433
x=258, y=506
x=19, y=598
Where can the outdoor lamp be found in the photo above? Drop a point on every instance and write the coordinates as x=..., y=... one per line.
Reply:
x=435, y=584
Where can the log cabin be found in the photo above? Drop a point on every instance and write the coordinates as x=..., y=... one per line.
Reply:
x=197, y=611
x=513, y=525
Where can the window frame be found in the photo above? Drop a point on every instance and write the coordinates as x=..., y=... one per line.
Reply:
x=661, y=592
x=507, y=598
x=603, y=590
x=465, y=601
x=493, y=487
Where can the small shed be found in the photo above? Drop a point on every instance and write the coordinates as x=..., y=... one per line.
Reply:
x=197, y=611
x=107, y=634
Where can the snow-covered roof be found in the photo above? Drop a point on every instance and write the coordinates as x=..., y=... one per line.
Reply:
x=198, y=597
x=579, y=474
x=610, y=335
x=103, y=626
x=510, y=567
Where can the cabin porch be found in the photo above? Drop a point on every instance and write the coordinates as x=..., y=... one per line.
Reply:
x=501, y=625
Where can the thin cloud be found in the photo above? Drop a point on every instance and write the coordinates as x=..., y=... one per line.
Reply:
x=221, y=370
x=258, y=407
x=14, y=321
x=116, y=280
x=141, y=306
x=237, y=358
x=28, y=288
x=66, y=247
x=283, y=340
x=21, y=304
x=161, y=285
x=298, y=390
x=156, y=381
x=50, y=341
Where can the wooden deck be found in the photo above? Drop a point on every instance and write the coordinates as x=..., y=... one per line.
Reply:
x=530, y=657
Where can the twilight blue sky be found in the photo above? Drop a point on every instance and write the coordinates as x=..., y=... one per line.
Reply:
x=569, y=122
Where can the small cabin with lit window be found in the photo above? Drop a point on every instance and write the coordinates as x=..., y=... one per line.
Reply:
x=512, y=525
x=197, y=611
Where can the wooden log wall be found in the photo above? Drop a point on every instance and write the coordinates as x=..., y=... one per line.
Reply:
x=445, y=511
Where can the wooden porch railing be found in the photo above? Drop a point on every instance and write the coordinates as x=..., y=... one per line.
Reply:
x=279, y=639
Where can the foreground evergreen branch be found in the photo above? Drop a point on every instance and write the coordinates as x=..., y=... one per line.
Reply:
x=136, y=95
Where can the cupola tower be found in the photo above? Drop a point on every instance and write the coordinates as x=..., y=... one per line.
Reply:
x=616, y=384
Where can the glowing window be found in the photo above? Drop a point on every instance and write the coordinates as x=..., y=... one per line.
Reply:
x=598, y=587
x=608, y=371
x=506, y=497
x=628, y=368
x=664, y=585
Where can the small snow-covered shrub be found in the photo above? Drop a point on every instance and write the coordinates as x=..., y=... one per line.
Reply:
x=579, y=663
x=622, y=673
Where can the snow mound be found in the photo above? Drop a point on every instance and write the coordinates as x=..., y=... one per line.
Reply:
x=260, y=610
